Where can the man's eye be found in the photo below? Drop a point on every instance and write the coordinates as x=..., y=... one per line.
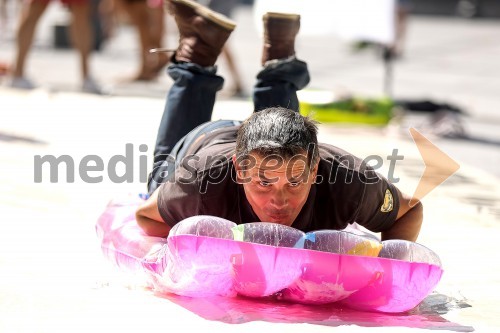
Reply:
x=264, y=183
x=294, y=184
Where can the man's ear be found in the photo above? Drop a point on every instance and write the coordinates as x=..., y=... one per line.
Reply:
x=238, y=170
x=241, y=166
x=315, y=168
x=236, y=166
x=314, y=172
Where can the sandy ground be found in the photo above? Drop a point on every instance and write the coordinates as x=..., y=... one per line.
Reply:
x=54, y=278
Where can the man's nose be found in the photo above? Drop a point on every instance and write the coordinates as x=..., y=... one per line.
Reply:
x=279, y=199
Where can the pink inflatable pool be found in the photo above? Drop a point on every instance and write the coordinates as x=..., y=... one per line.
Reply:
x=205, y=256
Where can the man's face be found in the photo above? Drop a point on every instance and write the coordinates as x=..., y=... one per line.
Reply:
x=277, y=189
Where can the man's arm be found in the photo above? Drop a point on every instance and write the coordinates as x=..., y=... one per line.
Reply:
x=149, y=219
x=408, y=221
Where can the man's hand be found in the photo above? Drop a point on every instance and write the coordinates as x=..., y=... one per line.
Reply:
x=149, y=219
x=408, y=222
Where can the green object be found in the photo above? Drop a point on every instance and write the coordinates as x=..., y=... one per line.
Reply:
x=238, y=232
x=350, y=110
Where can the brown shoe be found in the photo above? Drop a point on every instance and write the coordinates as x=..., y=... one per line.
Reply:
x=280, y=30
x=203, y=32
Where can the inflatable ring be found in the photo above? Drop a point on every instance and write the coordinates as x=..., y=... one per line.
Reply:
x=206, y=256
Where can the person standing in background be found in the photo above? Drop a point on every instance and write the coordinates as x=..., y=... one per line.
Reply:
x=403, y=8
x=148, y=18
x=226, y=8
x=81, y=35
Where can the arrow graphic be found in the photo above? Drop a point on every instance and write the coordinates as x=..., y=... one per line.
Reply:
x=438, y=166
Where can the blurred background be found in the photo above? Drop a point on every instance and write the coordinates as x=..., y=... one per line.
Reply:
x=440, y=65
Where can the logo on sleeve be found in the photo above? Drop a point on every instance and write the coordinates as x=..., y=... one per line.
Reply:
x=388, y=204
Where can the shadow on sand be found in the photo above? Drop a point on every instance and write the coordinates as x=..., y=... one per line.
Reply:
x=16, y=138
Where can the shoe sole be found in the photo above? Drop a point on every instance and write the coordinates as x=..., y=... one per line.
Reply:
x=209, y=14
x=285, y=16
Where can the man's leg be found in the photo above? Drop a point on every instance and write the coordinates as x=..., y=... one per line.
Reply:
x=191, y=99
x=81, y=33
x=189, y=103
x=83, y=39
x=138, y=12
x=30, y=15
x=283, y=74
x=158, y=29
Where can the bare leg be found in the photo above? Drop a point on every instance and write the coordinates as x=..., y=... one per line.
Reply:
x=3, y=15
x=139, y=16
x=401, y=22
x=157, y=31
x=4, y=68
x=81, y=34
x=30, y=15
x=157, y=25
x=228, y=55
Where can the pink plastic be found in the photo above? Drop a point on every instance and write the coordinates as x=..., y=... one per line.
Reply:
x=201, y=258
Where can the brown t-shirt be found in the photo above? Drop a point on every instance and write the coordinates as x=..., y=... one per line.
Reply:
x=346, y=190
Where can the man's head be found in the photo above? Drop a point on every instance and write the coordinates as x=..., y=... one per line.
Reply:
x=276, y=161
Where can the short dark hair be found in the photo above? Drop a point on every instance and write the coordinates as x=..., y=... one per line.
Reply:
x=278, y=131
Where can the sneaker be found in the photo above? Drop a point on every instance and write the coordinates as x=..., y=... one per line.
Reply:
x=280, y=30
x=91, y=86
x=21, y=82
x=203, y=32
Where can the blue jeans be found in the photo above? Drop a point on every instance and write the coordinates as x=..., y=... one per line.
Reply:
x=191, y=99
